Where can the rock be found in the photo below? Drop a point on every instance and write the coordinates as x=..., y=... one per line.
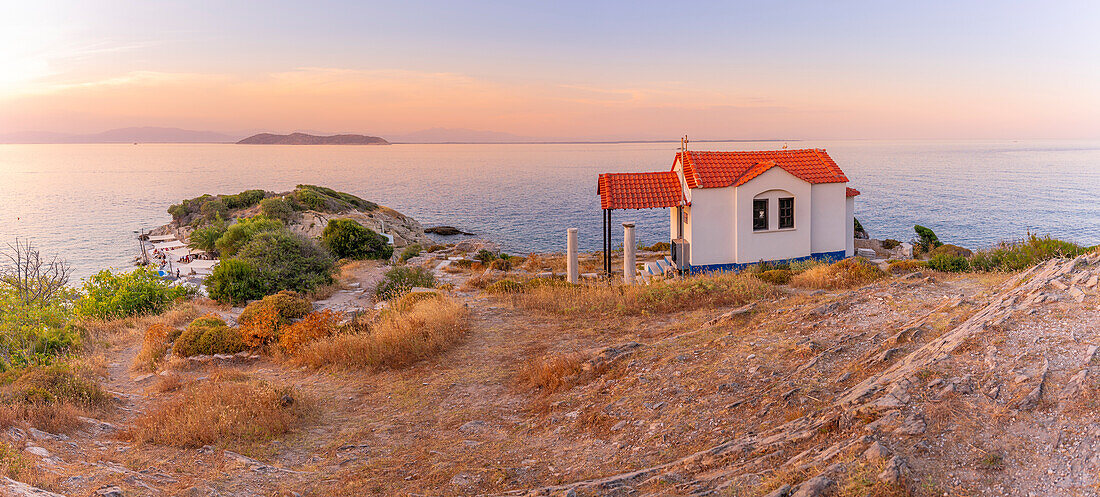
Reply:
x=895, y=472
x=913, y=425
x=475, y=426
x=446, y=231
x=38, y=451
x=1075, y=386
x=464, y=479
x=477, y=245
x=876, y=452
x=814, y=487
x=745, y=309
x=18, y=488
x=1076, y=294
x=886, y=355
x=1090, y=354
x=41, y=435
x=606, y=357
x=1058, y=285
x=783, y=491
x=109, y=492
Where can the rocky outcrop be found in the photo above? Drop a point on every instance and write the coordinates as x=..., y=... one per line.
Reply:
x=404, y=229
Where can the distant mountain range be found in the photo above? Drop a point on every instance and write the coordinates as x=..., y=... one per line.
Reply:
x=306, y=139
x=121, y=135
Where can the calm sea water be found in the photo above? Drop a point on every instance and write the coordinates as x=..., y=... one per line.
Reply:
x=83, y=202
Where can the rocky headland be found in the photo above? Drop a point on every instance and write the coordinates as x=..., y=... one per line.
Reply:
x=307, y=139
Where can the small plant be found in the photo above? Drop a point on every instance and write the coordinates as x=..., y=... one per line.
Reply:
x=208, y=335
x=348, y=239
x=261, y=321
x=505, y=287
x=485, y=256
x=776, y=276
x=502, y=264
x=927, y=239
x=953, y=250
x=656, y=247
x=949, y=263
x=109, y=295
x=313, y=327
x=410, y=252
x=890, y=244
x=401, y=279
x=905, y=266
x=992, y=460
x=846, y=273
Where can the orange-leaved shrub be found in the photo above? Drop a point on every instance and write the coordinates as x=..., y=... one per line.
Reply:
x=313, y=327
x=261, y=321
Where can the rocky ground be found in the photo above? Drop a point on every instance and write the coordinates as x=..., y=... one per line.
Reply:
x=926, y=384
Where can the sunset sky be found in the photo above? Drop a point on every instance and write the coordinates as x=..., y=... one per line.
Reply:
x=557, y=69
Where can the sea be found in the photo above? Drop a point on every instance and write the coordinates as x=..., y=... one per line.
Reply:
x=85, y=203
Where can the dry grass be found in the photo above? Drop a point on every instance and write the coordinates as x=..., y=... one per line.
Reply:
x=224, y=410
x=394, y=340
x=51, y=398
x=848, y=273
x=714, y=290
x=906, y=266
x=153, y=347
x=551, y=373
x=177, y=316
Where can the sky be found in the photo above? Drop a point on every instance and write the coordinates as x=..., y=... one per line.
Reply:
x=589, y=70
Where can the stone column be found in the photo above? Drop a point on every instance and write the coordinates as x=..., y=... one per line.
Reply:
x=629, y=269
x=571, y=268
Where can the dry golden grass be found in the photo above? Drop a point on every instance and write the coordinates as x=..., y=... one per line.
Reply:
x=394, y=340
x=153, y=347
x=51, y=398
x=551, y=373
x=847, y=273
x=179, y=315
x=906, y=266
x=713, y=290
x=224, y=410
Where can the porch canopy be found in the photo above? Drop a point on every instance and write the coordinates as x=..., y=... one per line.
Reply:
x=652, y=190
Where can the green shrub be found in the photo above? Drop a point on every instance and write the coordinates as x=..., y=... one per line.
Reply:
x=776, y=276
x=277, y=208
x=410, y=252
x=506, y=286
x=927, y=239
x=206, y=238
x=208, y=335
x=857, y=229
x=323, y=199
x=235, y=282
x=656, y=247
x=485, y=256
x=52, y=384
x=238, y=234
x=286, y=261
x=348, y=239
x=1017, y=256
x=401, y=279
x=953, y=250
x=890, y=244
x=502, y=264
x=243, y=200
x=108, y=295
x=949, y=263
x=214, y=210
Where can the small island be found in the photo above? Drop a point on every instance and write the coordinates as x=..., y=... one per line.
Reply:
x=307, y=139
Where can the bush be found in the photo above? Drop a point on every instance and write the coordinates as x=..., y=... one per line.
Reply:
x=905, y=266
x=846, y=273
x=485, y=256
x=313, y=327
x=214, y=210
x=108, y=295
x=277, y=208
x=243, y=200
x=153, y=347
x=952, y=250
x=261, y=321
x=54, y=384
x=401, y=279
x=505, y=287
x=890, y=244
x=287, y=261
x=238, y=234
x=657, y=247
x=208, y=335
x=503, y=264
x=949, y=263
x=323, y=199
x=395, y=340
x=348, y=239
x=206, y=238
x=410, y=252
x=1017, y=256
x=927, y=239
x=235, y=282
x=222, y=410
x=776, y=276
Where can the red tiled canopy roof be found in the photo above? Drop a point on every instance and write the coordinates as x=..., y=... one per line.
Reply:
x=640, y=190
x=850, y=192
x=721, y=169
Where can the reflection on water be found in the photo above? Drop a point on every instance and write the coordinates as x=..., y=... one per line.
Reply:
x=82, y=202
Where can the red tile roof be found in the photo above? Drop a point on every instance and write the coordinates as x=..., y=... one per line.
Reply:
x=850, y=192
x=721, y=169
x=640, y=190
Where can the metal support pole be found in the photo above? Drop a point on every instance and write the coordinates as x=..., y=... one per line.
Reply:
x=629, y=268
